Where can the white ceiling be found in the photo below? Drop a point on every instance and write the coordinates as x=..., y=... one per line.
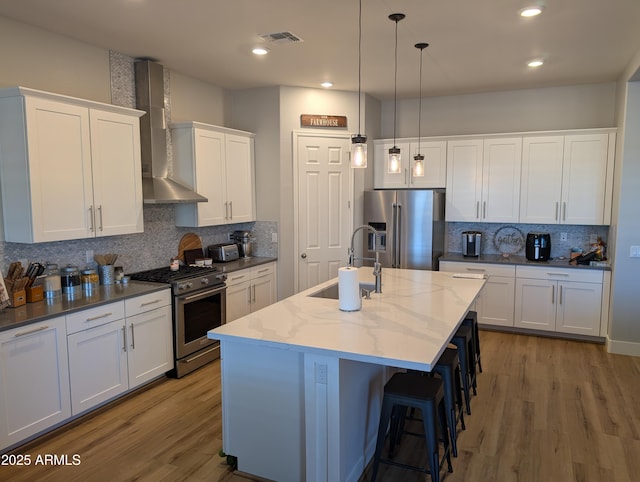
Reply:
x=475, y=45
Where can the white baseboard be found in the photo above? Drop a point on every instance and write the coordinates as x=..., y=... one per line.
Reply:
x=623, y=347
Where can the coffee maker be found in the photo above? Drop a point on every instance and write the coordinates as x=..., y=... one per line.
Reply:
x=471, y=243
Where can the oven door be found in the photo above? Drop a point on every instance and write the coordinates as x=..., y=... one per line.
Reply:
x=194, y=315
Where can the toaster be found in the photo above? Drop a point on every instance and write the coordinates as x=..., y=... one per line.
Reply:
x=223, y=252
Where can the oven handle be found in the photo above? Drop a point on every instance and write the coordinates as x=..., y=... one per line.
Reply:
x=202, y=294
x=189, y=360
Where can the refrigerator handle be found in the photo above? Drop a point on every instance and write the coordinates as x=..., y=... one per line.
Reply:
x=396, y=240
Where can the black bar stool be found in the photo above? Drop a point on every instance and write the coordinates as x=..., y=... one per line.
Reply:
x=417, y=391
x=462, y=340
x=471, y=320
x=448, y=368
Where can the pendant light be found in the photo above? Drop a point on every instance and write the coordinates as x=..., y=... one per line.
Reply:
x=418, y=159
x=359, y=141
x=394, y=166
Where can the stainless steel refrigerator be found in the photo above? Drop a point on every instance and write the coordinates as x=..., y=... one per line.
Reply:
x=412, y=227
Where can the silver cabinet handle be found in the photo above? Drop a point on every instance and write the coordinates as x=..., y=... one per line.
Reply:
x=480, y=270
x=553, y=294
x=249, y=294
x=150, y=302
x=484, y=210
x=556, y=215
x=29, y=332
x=226, y=210
x=101, y=224
x=254, y=293
x=560, y=294
x=557, y=274
x=263, y=270
x=92, y=227
x=98, y=317
x=477, y=209
x=231, y=209
x=124, y=338
x=564, y=211
x=133, y=338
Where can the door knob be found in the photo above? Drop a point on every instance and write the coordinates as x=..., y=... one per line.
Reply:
x=303, y=255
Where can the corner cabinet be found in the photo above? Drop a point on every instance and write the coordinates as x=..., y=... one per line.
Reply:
x=435, y=164
x=217, y=163
x=567, y=179
x=34, y=380
x=249, y=290
x=69, y=168
x=483, y=179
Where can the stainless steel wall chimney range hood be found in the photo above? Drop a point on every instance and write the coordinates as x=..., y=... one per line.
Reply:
x=157, y=187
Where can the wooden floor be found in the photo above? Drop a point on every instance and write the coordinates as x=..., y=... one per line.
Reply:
x=546, y=410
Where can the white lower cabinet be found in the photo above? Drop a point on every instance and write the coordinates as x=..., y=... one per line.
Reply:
x=561, y=300
x=117, y=347
x=34, y=380
x=249, y=290
x=495, y=304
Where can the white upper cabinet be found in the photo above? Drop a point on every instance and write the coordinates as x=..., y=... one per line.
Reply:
x=567, y=179
x=69, y=168
x=483, y=179
x=217, y=163
x=435, y=164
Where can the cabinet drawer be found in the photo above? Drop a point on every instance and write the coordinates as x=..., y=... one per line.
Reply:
x=559, y=274
x=83, y=320
x=263, y=270
x=151, y=301
x=482, y=268
x=236, y=277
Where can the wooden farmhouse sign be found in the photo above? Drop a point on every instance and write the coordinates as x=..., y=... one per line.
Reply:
x=331, y=121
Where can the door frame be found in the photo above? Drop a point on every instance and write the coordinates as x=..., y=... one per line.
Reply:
x=296, y=135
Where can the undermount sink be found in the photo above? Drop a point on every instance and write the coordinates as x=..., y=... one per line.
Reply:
x=331, y=291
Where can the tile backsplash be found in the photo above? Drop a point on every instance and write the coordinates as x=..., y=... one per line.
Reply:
x=578, y=237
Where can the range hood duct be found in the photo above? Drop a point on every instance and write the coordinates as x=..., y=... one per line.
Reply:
x=157, y=186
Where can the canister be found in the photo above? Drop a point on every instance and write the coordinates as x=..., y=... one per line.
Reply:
x=90, y=281
x=70, y=280
x=52, y=283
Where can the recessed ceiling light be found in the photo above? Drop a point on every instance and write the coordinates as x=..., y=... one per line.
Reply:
x=531, y=11
x=260, y=51
x=535, y=63
x=326, y=85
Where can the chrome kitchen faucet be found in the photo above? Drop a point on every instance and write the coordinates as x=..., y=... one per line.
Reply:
x=377, y=267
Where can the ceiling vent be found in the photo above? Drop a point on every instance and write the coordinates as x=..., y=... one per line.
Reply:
x=281, y=38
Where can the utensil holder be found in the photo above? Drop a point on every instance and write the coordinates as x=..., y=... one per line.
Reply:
x=107, y=274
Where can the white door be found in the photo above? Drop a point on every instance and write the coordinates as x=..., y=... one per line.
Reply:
x=324, y=210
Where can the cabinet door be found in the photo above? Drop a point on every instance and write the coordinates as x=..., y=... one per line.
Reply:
x=263, y=288
x=501, y=166
x=495, y=305
x=238, y=300
x=535, y=304
x=240, y=179
x=383, y=179
x=435, y=165
x=149, y=345
x=541, y=183
x=209, y=177
x=464, y=180
x=579, y=307
x=97, y=365
x=34, y=380
x=117, y=173
x=60, y=172
x=584, y=179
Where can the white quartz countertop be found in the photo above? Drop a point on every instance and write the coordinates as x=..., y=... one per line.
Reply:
x=407, y=325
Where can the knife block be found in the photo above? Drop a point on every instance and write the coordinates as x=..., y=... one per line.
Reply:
x=35, y=293
x=18, y=298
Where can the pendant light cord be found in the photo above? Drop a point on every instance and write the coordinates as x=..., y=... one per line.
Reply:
x=420, y=107
x=359, y=62
x=395, y=89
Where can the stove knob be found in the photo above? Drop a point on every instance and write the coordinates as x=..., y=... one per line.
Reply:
x=189, y=284
x=204, y=281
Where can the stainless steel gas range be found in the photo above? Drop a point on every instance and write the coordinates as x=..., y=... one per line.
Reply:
x=199, y=305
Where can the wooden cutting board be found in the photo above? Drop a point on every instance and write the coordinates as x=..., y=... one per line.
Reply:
x=188, y=241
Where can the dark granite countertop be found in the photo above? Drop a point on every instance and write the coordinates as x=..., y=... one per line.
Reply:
x=45, y=309
x=518, y=260
x=243, y=263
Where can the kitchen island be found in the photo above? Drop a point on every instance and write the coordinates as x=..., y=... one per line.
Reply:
x=302, y=381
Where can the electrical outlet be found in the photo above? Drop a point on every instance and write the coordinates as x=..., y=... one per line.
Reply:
x=593, y=239
x=563, y=236
x=635, y=252
x=321, y=373
x=88, y=256
x=274, y=237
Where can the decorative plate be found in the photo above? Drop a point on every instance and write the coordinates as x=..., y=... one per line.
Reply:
x=508, y=240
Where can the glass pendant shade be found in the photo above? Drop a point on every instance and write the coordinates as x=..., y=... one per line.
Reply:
x=358, y=151
x=394, y=164
x=418, y=165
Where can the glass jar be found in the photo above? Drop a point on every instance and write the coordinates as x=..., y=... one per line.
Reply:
x=52, y=283
x=90, y=281
x=70, y=280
